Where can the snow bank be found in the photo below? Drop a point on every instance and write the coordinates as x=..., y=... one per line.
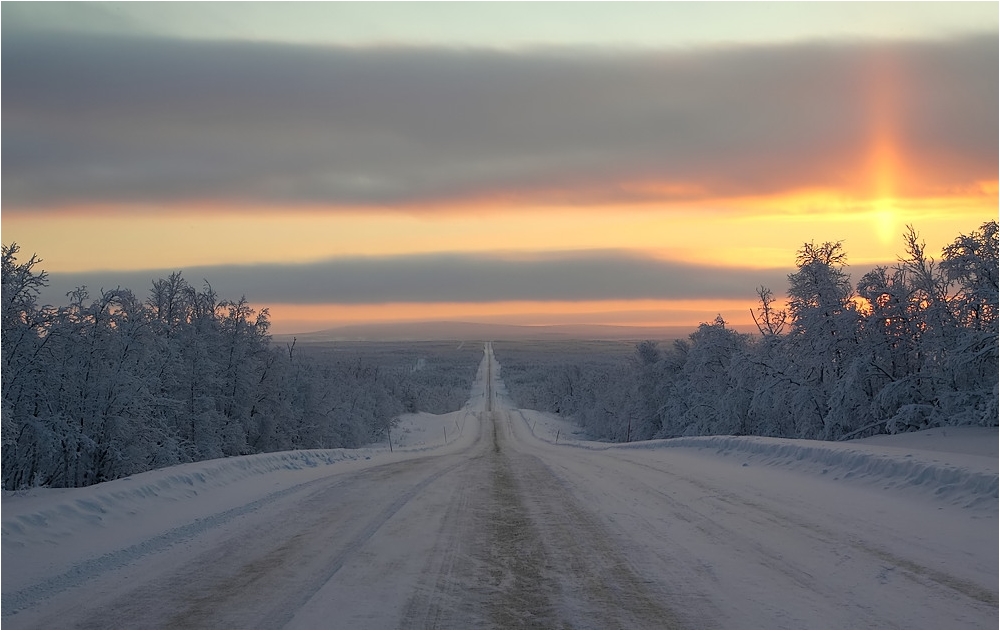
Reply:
x=424, y=431
x=154, y=501
x=125, y=519
x=955, y=464
x=979, y=441
x=960, y=480
x=73, y=534
x=47, y=513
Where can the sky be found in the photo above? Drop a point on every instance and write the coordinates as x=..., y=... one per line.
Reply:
x=524, y=163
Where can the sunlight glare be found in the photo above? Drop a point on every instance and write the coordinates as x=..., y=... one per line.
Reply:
x=885, y=219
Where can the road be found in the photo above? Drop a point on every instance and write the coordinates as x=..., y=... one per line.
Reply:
x=513, y=531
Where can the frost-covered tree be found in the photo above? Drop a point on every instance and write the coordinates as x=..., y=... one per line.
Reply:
x=711, y=402
x=28, y=431
x=970, y=365
x=769, y=319
x=652, y=370
x=915, y=347
x=108, y=386
x=971, y=262
x=822, y=332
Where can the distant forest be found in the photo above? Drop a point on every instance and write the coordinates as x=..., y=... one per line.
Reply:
x=109, y=386
x=113, y=385
x=908, y=347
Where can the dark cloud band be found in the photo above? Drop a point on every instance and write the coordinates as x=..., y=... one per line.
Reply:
x=109, y=120
x=579, y=276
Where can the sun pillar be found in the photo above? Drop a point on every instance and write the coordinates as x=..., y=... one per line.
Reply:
x=883, y=159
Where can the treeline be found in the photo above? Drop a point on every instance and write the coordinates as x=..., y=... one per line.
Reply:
x=434, y=376
x=910, y=346
x=114, y=385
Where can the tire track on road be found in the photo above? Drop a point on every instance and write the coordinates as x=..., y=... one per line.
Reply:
x=591, y=582
x=755, y=511
x=261, y=575
x=94, y=568
x=517, y=551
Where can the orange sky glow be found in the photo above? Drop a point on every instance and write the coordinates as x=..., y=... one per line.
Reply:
x=739, y=233
x=694, y=180
x=744, y=232
x=651, y=313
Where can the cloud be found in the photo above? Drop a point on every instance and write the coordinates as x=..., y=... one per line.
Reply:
x=124, y=120
x=573, y=276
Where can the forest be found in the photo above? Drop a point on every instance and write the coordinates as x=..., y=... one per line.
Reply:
x=113, y=385
x=909, y=346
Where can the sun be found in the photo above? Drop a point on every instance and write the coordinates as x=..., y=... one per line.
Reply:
x=885, y=220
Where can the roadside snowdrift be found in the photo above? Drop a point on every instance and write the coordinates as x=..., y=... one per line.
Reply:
x=29, y=510
x=48, y=514
x=961, y=479
x=928, y=506
x=958, y=465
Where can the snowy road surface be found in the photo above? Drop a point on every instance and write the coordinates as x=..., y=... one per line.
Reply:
x=497, y=517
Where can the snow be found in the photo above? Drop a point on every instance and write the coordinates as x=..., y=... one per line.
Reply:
x=423, y=430
x=963, y=472
x=84, y=532
x=956, y=464
x=977, y=441
x=923, y=505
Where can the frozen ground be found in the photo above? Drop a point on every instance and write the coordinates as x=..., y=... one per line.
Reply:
x=517, y=521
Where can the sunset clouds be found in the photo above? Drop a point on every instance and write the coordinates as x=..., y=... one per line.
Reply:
x=120, y=120
x=364, y=164
x=570, y=276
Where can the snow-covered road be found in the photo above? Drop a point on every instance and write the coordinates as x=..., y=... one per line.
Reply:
x=508, y=521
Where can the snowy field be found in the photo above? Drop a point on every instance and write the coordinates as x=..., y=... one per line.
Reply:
x=891, y=531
